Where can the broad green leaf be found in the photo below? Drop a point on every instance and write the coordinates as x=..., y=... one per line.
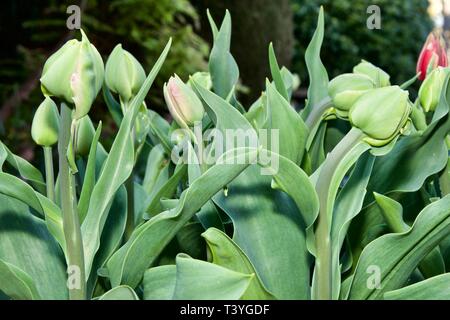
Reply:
x=276, y=73
x=392, y=211
x=436, y=288
x=89, y=176
x=318, y=77
x=395, y=256
x=213, y=25
x=292, y=131
x=348, y=204
x=25, y=169
x=159, y=282
x=120, y=293
x=192, y=279
x=111, y=238
x=227, y=254
x=16, y=284
x=128, y=264
x=116, y=170
x=26, y=243
x=222, y=66
x=20, y=190
x=200, y=280
x=266, y=225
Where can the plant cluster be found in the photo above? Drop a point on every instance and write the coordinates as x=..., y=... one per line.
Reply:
x=251, y=218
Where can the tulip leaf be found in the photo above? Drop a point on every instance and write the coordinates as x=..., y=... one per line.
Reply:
x=89, y=176
x=113, y=106
x=436, y=288
x=266, y=224
x=25, y=169
x=348, y=204
x=20, y=190
x=156, y=162
x=111, y=238
x=292, y=131
x=388, y=261
x=159, y=131
x=392, y=211
x=276, y=73
x=227, y=254
x=167, y=190
x=16, y=283
x=116, y=170
x=26, y=243
x=128, y=264
x=318, y=77
x=222, y=66
x=159, y=282
x=120, y=293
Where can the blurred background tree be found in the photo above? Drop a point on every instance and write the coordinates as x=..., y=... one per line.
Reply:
x=395, y=47
x=32, y=30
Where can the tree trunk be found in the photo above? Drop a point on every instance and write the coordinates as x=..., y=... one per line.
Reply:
x=255, y=23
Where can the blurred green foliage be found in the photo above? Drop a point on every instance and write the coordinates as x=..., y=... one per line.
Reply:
x=395, y=47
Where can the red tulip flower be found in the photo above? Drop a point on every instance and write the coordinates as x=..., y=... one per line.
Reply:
x=433, y=49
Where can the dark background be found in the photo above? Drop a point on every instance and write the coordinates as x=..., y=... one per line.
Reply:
x=31, y=30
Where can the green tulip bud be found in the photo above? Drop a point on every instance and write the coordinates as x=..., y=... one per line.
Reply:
x=430, y=90
x=345, y=89
x=45, y=125
x=202, y=78
x=74, y=73
x=378, y=75
x=184, y=105
x=124, y=75
x=382, y=114
x=85, y=135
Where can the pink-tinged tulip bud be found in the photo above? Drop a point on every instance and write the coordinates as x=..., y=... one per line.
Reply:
x=434, y=51
x=184, y=105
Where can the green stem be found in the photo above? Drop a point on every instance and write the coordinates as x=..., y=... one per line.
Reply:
x=338, y=162
x=315, y=117
x=49, y=175
x=129, y=227
x=71, y=222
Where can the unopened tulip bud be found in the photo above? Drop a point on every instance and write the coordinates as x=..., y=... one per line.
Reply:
x=124, y=75
x=434, y=51
x=202, y=78
x=430, y=90
x=74, y=73
x=382, y=114
x=378, y=75
x=345, y=89
x=85, y=135
x=184, y=105
x=45, y=125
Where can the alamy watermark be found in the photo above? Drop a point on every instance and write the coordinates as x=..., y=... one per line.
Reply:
x=374, y=20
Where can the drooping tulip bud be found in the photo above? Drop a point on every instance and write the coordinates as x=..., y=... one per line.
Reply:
x=430, y=90
x=346, y=88
x=45, y=125
x=382, y=114
x=434, y=51
x=74, y=73
x=184, y=105
x=124, y=75
x=378, y=75
x=202, y=78
x=85, y=135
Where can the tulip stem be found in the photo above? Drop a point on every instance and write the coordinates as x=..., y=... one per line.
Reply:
x=49, y=174
x=71, y=223
x=333, y=170
x=313, y=120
